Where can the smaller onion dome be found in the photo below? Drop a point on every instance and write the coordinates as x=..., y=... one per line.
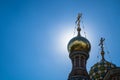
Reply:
x=99, y=70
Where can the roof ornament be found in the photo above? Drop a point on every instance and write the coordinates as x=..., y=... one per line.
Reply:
x=78, y=23
x=102, y=47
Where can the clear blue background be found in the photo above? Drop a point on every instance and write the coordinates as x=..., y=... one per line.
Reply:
x=29, y=30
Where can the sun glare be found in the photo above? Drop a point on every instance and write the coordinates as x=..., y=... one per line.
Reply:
x=65, y=35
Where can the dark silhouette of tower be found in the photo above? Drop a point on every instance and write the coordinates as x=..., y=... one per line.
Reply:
x=79, y=48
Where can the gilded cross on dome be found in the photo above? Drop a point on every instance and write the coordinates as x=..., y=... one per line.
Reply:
x=102, y=43
x=78, y=19
x=78, y=23
x=102, y=47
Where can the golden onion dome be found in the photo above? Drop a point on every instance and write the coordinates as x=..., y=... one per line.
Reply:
x=79, y=43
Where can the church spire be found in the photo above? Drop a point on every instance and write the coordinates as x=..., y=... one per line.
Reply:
x=102, y=47
x=79, y=48
x=78, y=23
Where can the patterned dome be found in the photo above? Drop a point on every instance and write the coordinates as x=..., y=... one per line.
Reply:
x=99, y=70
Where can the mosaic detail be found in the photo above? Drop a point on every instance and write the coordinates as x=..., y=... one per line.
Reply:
x=99, y=70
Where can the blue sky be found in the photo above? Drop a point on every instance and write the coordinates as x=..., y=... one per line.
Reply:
x=34, y=36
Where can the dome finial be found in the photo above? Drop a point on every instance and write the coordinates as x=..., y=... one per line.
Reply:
x=78, y=23
x=102, y=47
